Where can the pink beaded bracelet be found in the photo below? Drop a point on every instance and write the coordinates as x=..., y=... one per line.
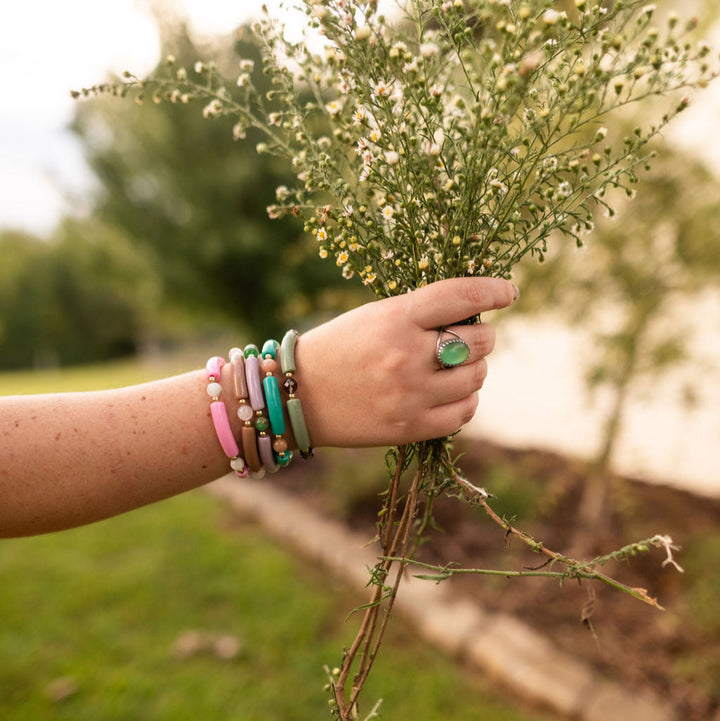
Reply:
x=220, y=419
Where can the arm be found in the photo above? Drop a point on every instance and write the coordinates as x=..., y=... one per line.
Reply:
x=366, y=378
x=73, y=458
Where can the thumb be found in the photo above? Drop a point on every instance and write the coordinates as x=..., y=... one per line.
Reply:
x=451, y=301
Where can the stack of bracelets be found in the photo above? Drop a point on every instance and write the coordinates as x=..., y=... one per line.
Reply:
x=262, y=446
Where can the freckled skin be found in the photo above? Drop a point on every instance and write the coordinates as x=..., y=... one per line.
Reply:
x=92, y=455
x=367, y=378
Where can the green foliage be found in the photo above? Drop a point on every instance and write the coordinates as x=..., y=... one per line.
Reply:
x=195, y=204
x=513, y=497
x=74, y=298
x=353, y=479
x=178, y=237
x=94, y=618
x=451, y=138
x=701, y=559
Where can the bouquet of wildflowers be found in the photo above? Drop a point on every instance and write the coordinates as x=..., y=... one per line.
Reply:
x=441, y=138
x=446, y=138
x=452, y=138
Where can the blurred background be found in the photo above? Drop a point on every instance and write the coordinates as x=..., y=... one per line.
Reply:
x=132, y=238
x=143, y=216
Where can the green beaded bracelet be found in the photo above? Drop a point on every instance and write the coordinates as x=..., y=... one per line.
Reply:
x=274, y=402
x=290, y=385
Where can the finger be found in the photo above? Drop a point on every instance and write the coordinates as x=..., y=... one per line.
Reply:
x=454, y=384
x=455, y=299
x=446, y=419
x=480, y=339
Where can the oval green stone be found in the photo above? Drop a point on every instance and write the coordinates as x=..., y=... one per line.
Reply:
x=454, y=352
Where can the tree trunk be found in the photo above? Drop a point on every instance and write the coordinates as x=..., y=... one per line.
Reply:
x=594, y=510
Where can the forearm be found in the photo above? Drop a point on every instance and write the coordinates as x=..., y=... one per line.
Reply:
x=369, y=377
x=69, y=459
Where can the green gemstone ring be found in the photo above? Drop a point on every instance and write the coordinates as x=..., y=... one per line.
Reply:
x=451, y=352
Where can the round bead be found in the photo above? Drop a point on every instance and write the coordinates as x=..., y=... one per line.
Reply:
x=257, y=475
x=251, y=349
x=237, y=464
x=262, y=424
x=279, y=445
x=245, y=413
x=214, y=390
x=268, y=365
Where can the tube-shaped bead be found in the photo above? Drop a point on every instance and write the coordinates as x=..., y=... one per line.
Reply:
x=287, y=351
x=250, y=449
x=297, y=421
x=274, y=405
x=252, y=376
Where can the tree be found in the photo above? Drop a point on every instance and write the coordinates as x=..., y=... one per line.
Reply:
x=195, y=203
x=76, y=297
x=664, y=246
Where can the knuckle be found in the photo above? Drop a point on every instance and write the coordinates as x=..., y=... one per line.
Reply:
x=393, y=363
x=486, y=340
x=400, y=430
x=476, y=295
x=489, y=295
x=479, y=374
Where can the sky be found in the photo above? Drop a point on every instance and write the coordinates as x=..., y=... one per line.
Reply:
x=48, y=48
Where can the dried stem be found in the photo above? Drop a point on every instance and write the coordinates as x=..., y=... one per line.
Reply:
x=396, y=543
x=585, y=570
x=400, y=533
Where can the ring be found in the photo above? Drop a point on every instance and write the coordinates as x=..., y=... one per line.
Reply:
x=451, y=352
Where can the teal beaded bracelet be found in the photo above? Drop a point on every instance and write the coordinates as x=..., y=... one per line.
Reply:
x=290, y=386
x=274, y=402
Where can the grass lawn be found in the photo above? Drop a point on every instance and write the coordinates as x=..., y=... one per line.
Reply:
x=90, y=377
x=91, y=619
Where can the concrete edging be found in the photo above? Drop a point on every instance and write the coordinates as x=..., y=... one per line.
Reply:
x=497, y=644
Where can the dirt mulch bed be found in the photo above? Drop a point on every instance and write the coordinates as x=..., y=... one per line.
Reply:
x=674, y=653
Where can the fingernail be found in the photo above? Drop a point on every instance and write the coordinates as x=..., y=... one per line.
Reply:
x=516, y=292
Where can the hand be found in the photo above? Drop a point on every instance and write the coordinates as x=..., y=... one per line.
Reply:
x=370, y=377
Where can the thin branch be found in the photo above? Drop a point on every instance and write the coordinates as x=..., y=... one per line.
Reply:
x=575, y=569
